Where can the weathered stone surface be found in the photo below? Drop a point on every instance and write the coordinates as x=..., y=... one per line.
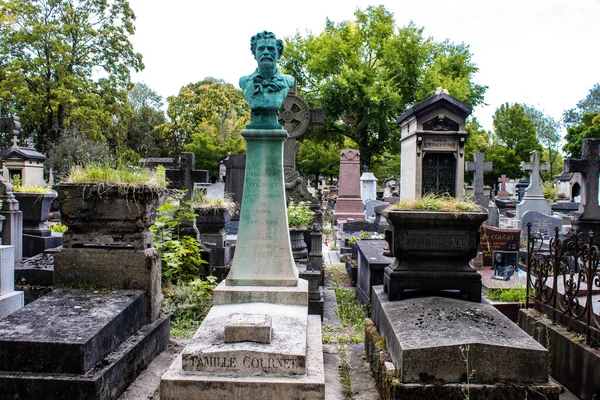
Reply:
x=541, y=223
x=533, y=199
x=371, y=263
x=284, y=355
x=248, y=328
x=424, y=337
x=108, y=215
x=287, y=295
x=112, y=269
x=104, y=382
x=177, y=384
x=10, y=300
x=263, y=256
x=69, y=331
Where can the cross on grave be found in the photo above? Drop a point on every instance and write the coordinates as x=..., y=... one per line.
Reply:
x=589, y=167
x=534, y=190
x=295, y=118
x=502, y=193
x=186, y=175
x=479, y=167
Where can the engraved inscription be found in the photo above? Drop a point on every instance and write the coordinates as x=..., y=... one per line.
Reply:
x=431, y=241
x=247, y=362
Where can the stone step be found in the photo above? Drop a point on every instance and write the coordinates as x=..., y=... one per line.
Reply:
x=69, y=331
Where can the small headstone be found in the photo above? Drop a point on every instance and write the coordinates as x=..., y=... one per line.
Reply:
x=541, y=223
x=503, y=193
x=494, y=239
x=505, y=264
x=370, y=208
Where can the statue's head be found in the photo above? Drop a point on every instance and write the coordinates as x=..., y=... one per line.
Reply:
x=266, y=35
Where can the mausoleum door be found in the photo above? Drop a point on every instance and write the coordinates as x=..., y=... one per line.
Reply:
x=439, y=170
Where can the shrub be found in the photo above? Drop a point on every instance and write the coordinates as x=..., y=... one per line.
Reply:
x=299, y=214
x=20, y=188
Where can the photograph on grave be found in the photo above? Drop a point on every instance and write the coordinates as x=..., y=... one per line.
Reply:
x=505, y=264
x=501, y=239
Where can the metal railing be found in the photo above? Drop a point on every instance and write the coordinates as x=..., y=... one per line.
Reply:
x=563, y=281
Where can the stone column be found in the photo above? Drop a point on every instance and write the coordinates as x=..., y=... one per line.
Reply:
x=12, y=230
x=349, y=205
x=315, y=258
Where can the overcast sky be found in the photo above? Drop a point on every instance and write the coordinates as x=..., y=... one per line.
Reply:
x=540, y=52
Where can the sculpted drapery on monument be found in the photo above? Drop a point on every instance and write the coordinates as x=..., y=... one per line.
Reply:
x=266, y=88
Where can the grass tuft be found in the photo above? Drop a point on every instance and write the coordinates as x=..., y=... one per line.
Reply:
x=431, y=202
x=119, y=176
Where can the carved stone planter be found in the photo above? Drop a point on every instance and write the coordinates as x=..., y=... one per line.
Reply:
x=299, y=248
x=35, y=208
x=108, y=215
x=432, y=250
x=211, y=220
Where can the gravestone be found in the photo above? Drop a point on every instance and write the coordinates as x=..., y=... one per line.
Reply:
x=371, y=263
x=432, y=146
x=368, y=186
x=533, y=199
x=370, y=208
x=541, y=223
x=589, y=167
x=262, y=301
x=10, y=300
x=390, y=187
x=502, y=193
x=234, y=178
x=494, y=239
x=521, y=185
x=186, y=176
x=479, y=167
x=349, y=204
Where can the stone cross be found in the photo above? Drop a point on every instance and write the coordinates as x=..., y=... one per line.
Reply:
x=502, y=193
x=479, y=167
x=534, y=190
x=589, y=167
x=295, y=118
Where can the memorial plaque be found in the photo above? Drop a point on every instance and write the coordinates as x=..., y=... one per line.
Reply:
x=439, y=143
x=497, y=239
x=541, y=223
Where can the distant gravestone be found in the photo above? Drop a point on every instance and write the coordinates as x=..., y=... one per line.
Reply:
x=368, y=186
x=503, y=193
x=349, y=205
x=589, y=167
x=186, y=176
x=370, y=208
x=479, y=167
x=541, y=223
x=494, y=239
x=534, y=200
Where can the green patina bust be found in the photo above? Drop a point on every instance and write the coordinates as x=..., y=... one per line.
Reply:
x=266, y=88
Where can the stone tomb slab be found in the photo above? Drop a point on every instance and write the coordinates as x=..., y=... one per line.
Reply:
x=69, y=331
x=285, y=355
x=425, y=336
x=179, y=384
x=541, y=223
x=371, y=263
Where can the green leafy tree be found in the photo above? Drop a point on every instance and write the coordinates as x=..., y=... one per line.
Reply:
x=142, y=136
x=514, y=130
x=65, y=65
x=547, y=131
x=316, y=158
x=591, y=104
x=588, y=128
x=209, y=111
x=368, y=71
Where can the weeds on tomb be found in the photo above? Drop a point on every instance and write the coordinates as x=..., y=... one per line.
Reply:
x=205, y=204
x=122, y=175
x=431, y=202
x=299, y=214
x=58, y=228
x=17, y=186
x=464, y=351
x=345, y=373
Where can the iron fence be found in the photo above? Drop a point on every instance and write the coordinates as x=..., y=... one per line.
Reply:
x=563, y=280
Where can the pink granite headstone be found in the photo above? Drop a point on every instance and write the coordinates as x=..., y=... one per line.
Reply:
x=349, y=204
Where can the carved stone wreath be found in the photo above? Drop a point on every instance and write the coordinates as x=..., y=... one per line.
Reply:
x=294, y=116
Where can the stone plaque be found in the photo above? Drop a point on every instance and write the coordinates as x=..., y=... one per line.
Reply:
x=541, y=223
x=497, y=239
x=246, y=363
x=439, y=143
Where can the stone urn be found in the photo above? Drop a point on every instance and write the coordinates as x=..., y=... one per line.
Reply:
x=299, y=247
x=432, y=250
x=108, y=215
x=35, y=208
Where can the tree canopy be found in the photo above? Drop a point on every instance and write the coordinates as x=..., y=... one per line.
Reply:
x=587, y=129
x=368, y=71
x=591, y=104
x=206, y=118
x=142, y=137
x=66, y=65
